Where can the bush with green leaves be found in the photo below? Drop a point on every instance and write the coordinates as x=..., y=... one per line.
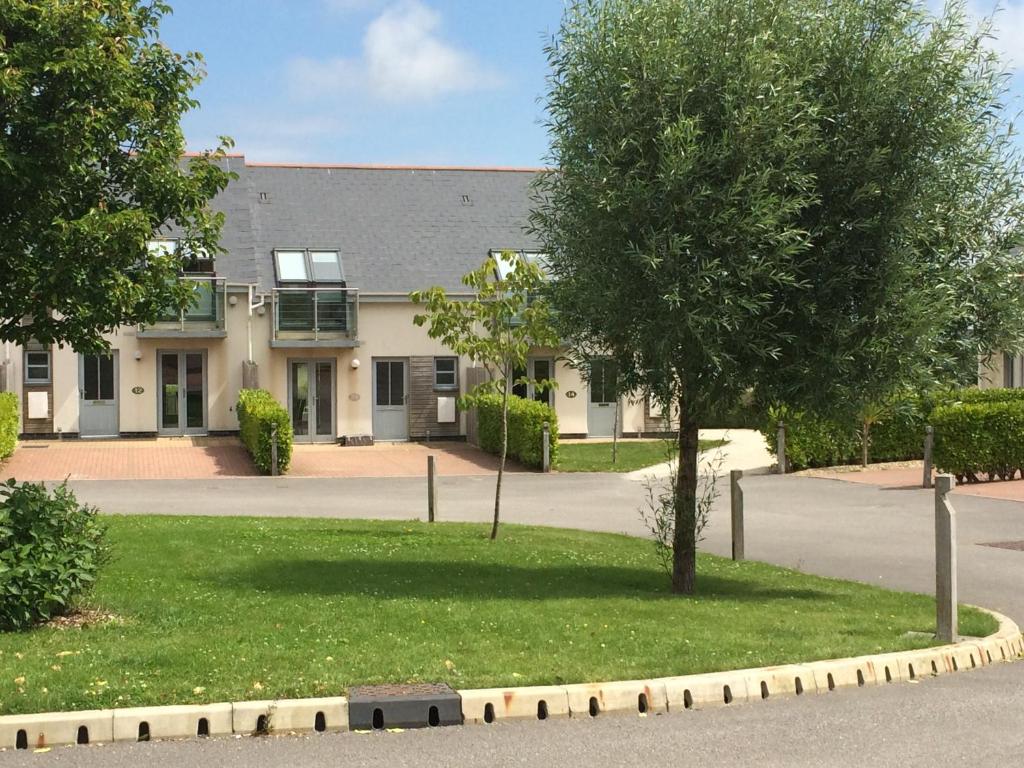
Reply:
x=975, y=438
x=525, y=428
x=258, y=414
x=51, y=549
x=8, y=423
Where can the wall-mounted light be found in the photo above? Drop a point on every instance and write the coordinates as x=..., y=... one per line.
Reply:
x=355, y=363
x=232, y=300
x=138, y=354
x=261, y=311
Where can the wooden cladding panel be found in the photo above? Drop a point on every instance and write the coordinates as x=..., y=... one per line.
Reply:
x=423, y=401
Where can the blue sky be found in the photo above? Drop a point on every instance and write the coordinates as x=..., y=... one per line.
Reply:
x=393, y=81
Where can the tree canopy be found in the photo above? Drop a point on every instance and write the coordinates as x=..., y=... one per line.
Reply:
x=91, y=166
x=817, y=200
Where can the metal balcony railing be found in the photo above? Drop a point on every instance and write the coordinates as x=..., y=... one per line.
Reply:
x=206, y=313
x=315, y=314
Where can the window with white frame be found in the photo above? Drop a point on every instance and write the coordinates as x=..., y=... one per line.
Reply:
x=37, y=366
x=308, y=266
x=446, y=373
x=506, y=260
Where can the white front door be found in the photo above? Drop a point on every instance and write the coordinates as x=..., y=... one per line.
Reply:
x=97, y=395
x=601, y=415
x=390, y=396
x=311, y=400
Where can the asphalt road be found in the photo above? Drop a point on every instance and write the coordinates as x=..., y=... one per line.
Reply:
x=820, y=526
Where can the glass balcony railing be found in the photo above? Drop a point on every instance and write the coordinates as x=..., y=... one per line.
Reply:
x=315, y=314
x=206, y=312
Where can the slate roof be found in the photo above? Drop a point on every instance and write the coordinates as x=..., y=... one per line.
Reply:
x=398, y=229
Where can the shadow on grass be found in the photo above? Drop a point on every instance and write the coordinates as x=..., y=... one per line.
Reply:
x=394, y=578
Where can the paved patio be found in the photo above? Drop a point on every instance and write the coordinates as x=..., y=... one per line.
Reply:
x=165, y=458
x=910, y=477
x=203, y=458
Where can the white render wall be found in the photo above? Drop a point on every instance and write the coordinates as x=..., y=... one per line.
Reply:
x=386, y=329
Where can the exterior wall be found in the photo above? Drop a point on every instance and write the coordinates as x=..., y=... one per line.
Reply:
x=999, y=370
x=386, y=331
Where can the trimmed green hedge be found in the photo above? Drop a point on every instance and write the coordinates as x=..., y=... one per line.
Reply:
x=258, y=412
x=974, y=438
x=525, y=428
x=816, y=441
x=8, y=423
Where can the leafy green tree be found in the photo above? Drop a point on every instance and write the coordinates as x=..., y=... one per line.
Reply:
x=506, y=317
x=91, y=167
x=812, y=199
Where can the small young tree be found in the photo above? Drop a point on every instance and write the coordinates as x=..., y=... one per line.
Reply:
x=91, y=166
x=810, y=199
x=497, y=327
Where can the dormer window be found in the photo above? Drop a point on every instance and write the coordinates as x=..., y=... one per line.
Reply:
x=308, y=266
x=507, y=259
x=193, y=262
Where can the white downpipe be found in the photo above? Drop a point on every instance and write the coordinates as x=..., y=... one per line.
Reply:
x=253, y=308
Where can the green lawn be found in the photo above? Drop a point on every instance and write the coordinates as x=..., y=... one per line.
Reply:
x=632, y=455
x=232, y=609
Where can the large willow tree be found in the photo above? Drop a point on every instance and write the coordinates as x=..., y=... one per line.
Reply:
x=815, y=199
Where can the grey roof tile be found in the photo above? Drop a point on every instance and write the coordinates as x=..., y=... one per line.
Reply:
x=397, y=229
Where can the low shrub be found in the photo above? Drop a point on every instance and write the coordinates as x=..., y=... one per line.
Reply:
x=525, y=428
x=8, y=423
x=51, y=549
x=975, y=438
x=258, y=413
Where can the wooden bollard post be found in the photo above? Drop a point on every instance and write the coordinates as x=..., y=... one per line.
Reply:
x=946, y=623
x=274, y=471
x=431, y=489
x=780, y=447
x=736, y=498
x=546, y=460
x=929, y=444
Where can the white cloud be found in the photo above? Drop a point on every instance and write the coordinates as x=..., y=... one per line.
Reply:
x=404, y=58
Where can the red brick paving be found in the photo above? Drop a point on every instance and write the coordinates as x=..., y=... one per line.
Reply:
x=203, y=458
x=392, y=460
x=911, y=477
x=164, y=459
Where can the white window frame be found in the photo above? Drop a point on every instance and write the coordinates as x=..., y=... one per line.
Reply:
x=34, y=380
x=455, y=372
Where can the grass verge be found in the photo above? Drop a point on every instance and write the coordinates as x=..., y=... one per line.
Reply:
x=632, y=455
x=222, y=609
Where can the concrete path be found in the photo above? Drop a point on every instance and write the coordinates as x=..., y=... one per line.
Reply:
x=745, y=449
x=821, y=526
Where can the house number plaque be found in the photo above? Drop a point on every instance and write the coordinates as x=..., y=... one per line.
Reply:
x=137, y=390
x=571, y=394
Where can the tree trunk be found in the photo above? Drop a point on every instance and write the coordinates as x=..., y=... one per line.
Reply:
x=501, y=463
x=684, y=543
x=865, y=441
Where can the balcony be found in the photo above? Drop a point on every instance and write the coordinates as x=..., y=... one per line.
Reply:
x=315, y=317
x=203, y=319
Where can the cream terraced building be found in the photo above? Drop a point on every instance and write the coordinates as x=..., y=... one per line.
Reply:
x=310, y=301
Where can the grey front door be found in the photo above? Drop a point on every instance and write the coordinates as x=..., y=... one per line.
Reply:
x=97, y=395
x=390, y=389
x=181, y=395
x=601, y=414
x=311, y=400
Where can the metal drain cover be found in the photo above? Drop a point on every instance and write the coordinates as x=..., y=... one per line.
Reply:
x=420, y=705
x=1015, y=545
